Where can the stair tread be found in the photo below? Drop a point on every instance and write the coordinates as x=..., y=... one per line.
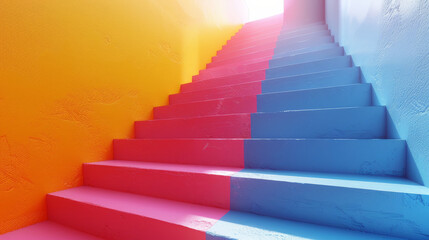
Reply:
x=197, y=217
x=376, y=183
x=364, y=182
x=260, y=113
x=47, y=231
x=245, y=226
x=199, y=169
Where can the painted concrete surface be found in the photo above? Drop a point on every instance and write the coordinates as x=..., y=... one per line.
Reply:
x=389, y=41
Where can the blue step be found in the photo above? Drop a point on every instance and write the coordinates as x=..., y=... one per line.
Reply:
x=356, y=95
x=383, y=205
x=381, y=157
x=244, y=226
x=305, y=50
x=307, y=57
x=355, y=123
x=336, y=77
x=310, y=35
x=288, y=45
x=309, y=67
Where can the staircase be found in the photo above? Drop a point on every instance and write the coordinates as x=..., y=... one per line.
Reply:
x=277, y=139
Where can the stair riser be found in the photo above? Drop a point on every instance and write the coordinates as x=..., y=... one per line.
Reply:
x=197, y=188
x=363, y=157
x=307, y=57
x=337, y=97
x=311, y=67
x=246, y=104
x=317, y=80
x=205, y=152
x=249, y=89
x=353, y=123
x=389, y=213
x=227, y=126
x=112, y=224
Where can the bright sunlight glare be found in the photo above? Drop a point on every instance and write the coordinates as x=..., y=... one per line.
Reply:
x=259, y=9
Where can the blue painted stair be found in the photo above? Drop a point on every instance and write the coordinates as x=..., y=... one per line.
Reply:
x=318, y=165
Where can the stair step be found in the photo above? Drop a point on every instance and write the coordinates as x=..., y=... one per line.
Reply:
x=307, y=57
x=229, y=91
x=274, y=39
x=309, y=67
x=260, y=53
x=262, y=56
x=279, y=46
x=221, y=126
x=245, y=226
x=226, y=70
x=325, y=64
x=246, y=104
x=319, y=47
x=116, y=215
x=356, y=95
x=355, y=123
x=336, y=77
x=381, y=157
x=223, y=71
x=212, y=152
x=383, y=205
x=204, y=185
x=341, y=76
x=47, y=231
x=254, y=35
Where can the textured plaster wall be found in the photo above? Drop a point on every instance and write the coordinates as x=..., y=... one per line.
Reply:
x=389, y=40
x=76, y=74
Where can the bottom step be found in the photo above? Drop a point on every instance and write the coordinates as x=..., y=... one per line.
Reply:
x=47, y=231
x=243, y=226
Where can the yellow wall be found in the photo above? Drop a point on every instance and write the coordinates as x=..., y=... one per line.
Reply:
x=76, y=74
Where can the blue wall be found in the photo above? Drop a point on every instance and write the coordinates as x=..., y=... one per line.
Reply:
x=390, y=41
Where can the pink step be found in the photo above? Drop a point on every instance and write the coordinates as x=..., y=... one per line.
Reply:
x=229, y=91
x=47, y=231
x=258, y=54
x=212, y=152
x=246, y=104
x=221, y=126
x=124, y=216
x=233, y=69
x=204, y=185
x=242, y=78
x=246, y=49
x=237, y=63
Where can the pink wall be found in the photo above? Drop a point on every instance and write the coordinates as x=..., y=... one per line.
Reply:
x=301, y=12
